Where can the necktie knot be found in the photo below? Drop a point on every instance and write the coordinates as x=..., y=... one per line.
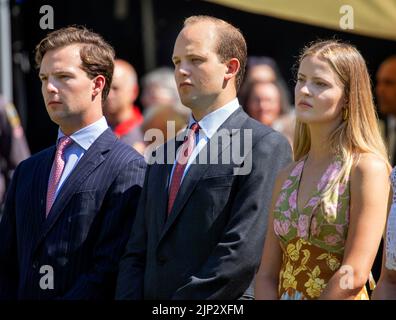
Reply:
x=194, y=128
x=64, y=142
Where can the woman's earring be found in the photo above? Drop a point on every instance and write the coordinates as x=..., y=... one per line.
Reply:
x=344, y=114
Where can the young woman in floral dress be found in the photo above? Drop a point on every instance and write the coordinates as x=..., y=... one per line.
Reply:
x=329, y=207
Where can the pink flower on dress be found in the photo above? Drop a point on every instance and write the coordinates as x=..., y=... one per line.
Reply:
x=322, y=182
x=297, y=169
x=293, y=199
x=340, y=228
x=281, y=198
x=332, y=239
x=314, y=226
x=281, y=227
x=334, y=169
x=287, y=184
x=313, y=201
x=341, y=188
x=302, y=227
x=287, y=214
x=329, y=175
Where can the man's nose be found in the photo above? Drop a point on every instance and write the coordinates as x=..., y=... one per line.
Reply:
x=51, y=87
x=184, y=69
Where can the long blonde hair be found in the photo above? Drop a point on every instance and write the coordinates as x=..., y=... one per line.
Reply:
x=359, y=133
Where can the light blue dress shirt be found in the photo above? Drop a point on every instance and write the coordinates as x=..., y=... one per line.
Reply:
x=82, y=140
x=208, y=127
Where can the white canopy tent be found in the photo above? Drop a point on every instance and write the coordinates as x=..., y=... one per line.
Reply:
x=375, y=18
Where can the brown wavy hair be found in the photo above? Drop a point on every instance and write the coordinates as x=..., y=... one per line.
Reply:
x=96, y=54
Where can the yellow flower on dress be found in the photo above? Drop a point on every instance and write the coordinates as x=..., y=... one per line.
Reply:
x=307, y=255
x=303, y=264
x=293, y=251
x=289, y=278
x=315, y=285
x=332, y=261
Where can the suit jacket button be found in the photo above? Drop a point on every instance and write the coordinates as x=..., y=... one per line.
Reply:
x=161, y=260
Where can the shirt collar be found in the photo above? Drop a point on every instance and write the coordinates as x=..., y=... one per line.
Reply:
x=86, y=136
x=212, y=121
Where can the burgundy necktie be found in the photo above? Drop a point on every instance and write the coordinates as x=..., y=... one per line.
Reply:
x=181, y=162
x=57, y=169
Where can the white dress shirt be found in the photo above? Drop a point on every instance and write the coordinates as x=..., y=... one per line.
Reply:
x=82, y=140
x=208, y=127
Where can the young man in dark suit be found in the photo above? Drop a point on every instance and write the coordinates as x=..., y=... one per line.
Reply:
x=70, y=208
x=202, y=217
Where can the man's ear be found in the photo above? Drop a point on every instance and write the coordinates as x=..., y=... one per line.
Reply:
x=135, y=92
x=233, y=66
x=98, y=85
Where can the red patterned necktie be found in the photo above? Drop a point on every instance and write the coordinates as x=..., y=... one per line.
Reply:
x=57, y=169
x=181, y=162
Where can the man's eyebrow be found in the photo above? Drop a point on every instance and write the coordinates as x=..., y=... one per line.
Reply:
x=56, y=72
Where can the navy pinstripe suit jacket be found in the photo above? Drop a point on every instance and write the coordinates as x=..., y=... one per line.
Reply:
x=85, y=233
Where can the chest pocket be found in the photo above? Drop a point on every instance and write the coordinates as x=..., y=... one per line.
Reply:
x=217, y=192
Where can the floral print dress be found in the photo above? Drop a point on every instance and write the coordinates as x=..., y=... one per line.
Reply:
x=390, y=258
x=312, y=240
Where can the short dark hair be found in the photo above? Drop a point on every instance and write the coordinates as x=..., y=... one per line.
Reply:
x=231, y=43
x=96, y=54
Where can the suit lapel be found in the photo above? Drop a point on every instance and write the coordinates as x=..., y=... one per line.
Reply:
x=196, y=171
x=93, y=157
x=42, y=176
x=163, y=173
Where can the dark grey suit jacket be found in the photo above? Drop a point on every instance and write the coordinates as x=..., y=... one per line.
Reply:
x=87, y=228
x=211, y=244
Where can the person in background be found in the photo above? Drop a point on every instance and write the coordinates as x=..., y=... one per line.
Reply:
x=163, y=109
x=261, y=69
x=266, y=69
x=13, y=145
x=124, y=118
x=386, y=97
x=264, y=102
